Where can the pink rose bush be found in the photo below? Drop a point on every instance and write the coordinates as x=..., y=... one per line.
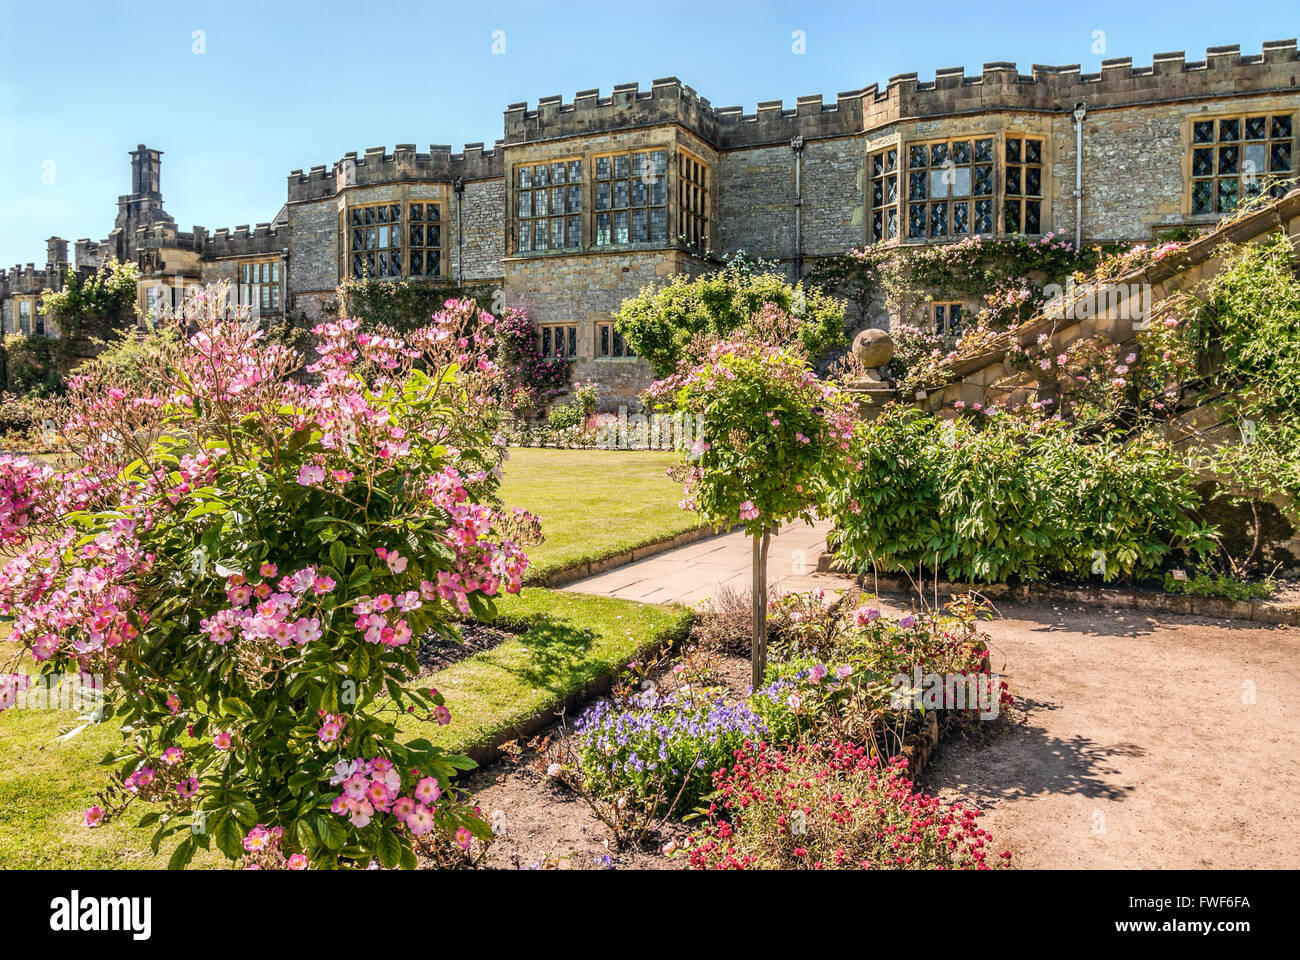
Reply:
x=775, y=441
x=249, y=552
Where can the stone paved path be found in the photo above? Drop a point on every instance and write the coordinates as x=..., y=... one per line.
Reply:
x=688, y=574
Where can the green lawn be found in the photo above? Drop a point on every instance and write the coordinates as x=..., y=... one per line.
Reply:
x=594, y=503
x=46, y=783
x=572, y=639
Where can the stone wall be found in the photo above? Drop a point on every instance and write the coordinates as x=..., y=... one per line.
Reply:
x=313, y=272
x=483, y=220
x=586, y=290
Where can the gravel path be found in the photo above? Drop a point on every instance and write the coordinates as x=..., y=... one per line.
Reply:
x=1143, y=747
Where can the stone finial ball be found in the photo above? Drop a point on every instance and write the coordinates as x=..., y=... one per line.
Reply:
x=873, y=348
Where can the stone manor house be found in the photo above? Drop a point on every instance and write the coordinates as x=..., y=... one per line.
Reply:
x=582, y=204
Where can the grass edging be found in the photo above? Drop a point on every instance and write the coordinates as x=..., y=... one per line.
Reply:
x=581, y=569
x=571, y=652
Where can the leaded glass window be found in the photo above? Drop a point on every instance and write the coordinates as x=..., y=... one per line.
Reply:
x=610, y=343
x=884, y=194
x=259, y=284
x=947, y=318
x=548, y=205
x=630, y=197
x=375, y=240
x=692, y=198
x=949, y=188
x=1236, y=158
x=424, y=239
x=1022, y=206
x=559, y=340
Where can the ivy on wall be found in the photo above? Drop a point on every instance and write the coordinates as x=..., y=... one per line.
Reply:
x=402, y=305
x=92, y=307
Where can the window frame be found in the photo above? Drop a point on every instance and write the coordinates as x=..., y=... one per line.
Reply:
x=878, y=201
x=609, y=343
x=34, y=317
x=693, y=221
x=405, y=248
x=950, y=202
x=1215, y=147
x=566, y=219
x=1024, y=167
x=597, y=211
x=547, y=333
x=267, y=290
x=945, y=329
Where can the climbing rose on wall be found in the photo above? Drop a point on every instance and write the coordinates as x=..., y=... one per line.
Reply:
x=251, y=561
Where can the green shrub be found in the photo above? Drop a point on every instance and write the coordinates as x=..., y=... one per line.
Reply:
x=1001, y=499
x=660, y=323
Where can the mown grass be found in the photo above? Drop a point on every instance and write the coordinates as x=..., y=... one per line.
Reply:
x=570, y=640
x=45, y=785
x=594, y=503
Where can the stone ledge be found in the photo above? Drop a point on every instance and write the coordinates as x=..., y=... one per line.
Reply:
x=1276, y=612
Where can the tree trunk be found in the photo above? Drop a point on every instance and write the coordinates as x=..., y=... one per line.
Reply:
x=759, y=641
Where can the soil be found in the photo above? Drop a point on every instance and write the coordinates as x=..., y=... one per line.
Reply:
x=435, y=652
x=549, y=826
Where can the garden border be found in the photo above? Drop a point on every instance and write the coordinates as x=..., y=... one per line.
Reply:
x=489, y=751
x=1273, y=612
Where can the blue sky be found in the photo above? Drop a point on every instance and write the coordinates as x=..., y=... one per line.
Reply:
x=280, y=87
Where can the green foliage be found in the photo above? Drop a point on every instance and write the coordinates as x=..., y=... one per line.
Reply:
x=92, y=307
x=22, y=420
x=1007, y=499
x=1220, y=587
x=661, y=322
x=994, y=271
x=1248, y=322
x=402, y=305
x=575, y=411
x=132, y=358
x=31, y=364
x=772, y=435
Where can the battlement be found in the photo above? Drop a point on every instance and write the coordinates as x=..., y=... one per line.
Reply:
x=20, y=280
x=667, y=101
x=999, y=85
x=262, y=240
x=377, y=166
x=154, y=236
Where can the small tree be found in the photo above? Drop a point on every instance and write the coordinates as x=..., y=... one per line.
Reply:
x=774, y=441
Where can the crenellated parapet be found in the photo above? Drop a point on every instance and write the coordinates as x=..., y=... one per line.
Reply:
x=378, y=166
x=667, y=101
x=1224, y=72
x=263, y=239
x=22, y=280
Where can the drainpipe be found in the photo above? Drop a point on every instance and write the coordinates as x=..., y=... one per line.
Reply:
x=1080, y=112
x=284, y=283
x=796, y=144
x=458, y=186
